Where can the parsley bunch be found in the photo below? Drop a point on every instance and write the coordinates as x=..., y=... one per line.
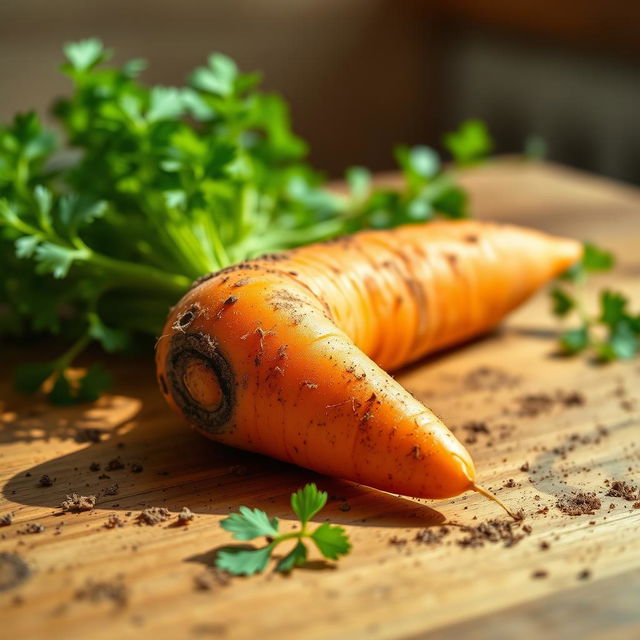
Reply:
x=614, y=333
x=330, y=540
x=102, y=229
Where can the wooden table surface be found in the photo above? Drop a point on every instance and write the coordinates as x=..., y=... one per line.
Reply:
x=82, y=580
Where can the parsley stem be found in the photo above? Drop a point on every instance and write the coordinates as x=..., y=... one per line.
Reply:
x=139, y=276
x=73, y=352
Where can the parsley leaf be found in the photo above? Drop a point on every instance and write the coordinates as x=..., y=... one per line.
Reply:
x=575, y=340
x=470, y=143
x=563, y=303
x=243, y=562
x=306, y=502
x=331, y=541
x=597, y=259
x=250, y=524
x=622, y=328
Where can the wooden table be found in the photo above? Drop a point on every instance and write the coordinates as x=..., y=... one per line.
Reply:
x=590, y=574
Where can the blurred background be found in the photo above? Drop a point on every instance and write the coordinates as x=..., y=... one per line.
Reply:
x=363, y=75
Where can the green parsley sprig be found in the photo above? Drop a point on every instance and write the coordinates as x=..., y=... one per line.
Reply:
x=248, y=524
x=612, y=334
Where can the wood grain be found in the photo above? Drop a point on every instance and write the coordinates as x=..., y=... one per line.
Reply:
x=381, y=590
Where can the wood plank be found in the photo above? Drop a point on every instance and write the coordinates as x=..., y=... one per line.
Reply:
x=380, y=590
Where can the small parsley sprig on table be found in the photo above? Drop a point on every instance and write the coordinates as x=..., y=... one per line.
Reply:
x=614, y=333
x=330, y=540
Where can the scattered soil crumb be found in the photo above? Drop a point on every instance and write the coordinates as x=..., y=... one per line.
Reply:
x=539, y=574
x=621, y=489
x=578, y=504
x=489, y=379
x=397, y=542
x=524, y=467
x=534, y=404
x=494, y=531
x=544, y=546
x=13, y=570
x=114, y=521
x=239, y=470
x=114, y=464
x=475, y=427
x=510, y=484
x=112, y=490
x=88, y=435
x=6, y=519
x=211, y=579
x=185, y=516
x=136, y=467
x=45, y=481
x=153, y=515
x=345, y=506
x=34, y=527
x=94, y=466
x=431, y=536
x=114, y=592
x=585, y=574
x=76, y=503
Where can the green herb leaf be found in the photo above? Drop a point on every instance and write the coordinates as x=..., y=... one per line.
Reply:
x=575, y=340
x=111, y=339
x=62, y=393
x=306, y=502
x=613, y=307
x=332, y=541
x=562, y=302
x=218, y=77
x=470, y=143
x=250, y=524
x=596, y=259
x=85, y=54
x=297, y=556
x=243, y=562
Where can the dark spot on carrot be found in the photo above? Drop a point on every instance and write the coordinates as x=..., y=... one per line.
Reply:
x=471, y=238
x=230, y=300
x=416, y=452
x=185, y=320
x=241, y=282
x=308, y=384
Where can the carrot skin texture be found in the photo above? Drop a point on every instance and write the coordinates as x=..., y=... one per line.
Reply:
x=298, y=339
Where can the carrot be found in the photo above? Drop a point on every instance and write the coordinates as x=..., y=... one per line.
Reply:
x=282, y=354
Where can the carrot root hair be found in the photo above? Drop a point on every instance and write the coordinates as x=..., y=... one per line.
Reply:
x=516, y=515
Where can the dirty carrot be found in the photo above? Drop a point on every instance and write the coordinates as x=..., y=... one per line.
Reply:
x=286, y=354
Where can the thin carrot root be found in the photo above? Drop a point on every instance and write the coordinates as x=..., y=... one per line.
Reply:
x=487, y=494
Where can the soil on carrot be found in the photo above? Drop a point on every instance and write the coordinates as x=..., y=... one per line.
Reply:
x=114, y=521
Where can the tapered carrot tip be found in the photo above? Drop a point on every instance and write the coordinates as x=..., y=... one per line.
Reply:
x=281, y=354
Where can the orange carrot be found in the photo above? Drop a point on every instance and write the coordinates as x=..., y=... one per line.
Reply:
x=282, y=354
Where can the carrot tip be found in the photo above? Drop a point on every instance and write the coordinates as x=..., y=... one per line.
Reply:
x=487, y=494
